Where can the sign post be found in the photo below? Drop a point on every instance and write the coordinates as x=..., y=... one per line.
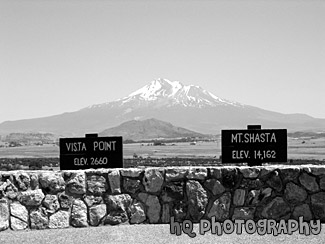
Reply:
x=254, y=145
x=91, y=152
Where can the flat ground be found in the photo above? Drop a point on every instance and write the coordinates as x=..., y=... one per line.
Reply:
x=308, y=149
x=146, y=234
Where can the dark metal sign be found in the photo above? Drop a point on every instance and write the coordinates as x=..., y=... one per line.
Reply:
x=91, y=152
x=254, y=146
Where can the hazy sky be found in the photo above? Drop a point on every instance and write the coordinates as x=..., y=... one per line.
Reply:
x=61, y=56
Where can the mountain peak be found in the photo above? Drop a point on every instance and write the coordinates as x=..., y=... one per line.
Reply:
x=165, y=92
x=156, y=88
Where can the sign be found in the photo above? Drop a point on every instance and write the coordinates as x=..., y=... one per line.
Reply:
x=254, y=146
x=91, y=152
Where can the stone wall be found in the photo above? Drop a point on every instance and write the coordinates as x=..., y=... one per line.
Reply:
x=55, y=199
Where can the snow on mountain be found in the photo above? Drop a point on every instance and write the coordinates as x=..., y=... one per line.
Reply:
x=172, y=93
x=158, y=88
x=163, y=92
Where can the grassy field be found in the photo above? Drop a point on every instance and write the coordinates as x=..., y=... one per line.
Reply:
x=305, y=149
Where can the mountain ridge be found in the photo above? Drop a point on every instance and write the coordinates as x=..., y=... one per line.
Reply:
x=149, y=129
x=190, y=107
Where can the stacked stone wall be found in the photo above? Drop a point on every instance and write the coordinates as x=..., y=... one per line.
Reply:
x=62, y=199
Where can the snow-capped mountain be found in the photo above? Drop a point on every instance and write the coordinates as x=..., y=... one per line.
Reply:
x=186, y=106
x=163, y=92
x=171, y=93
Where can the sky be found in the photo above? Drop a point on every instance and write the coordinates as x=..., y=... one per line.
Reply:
x=60, y=56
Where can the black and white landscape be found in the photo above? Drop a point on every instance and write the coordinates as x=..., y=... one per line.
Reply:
x=188, y=106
